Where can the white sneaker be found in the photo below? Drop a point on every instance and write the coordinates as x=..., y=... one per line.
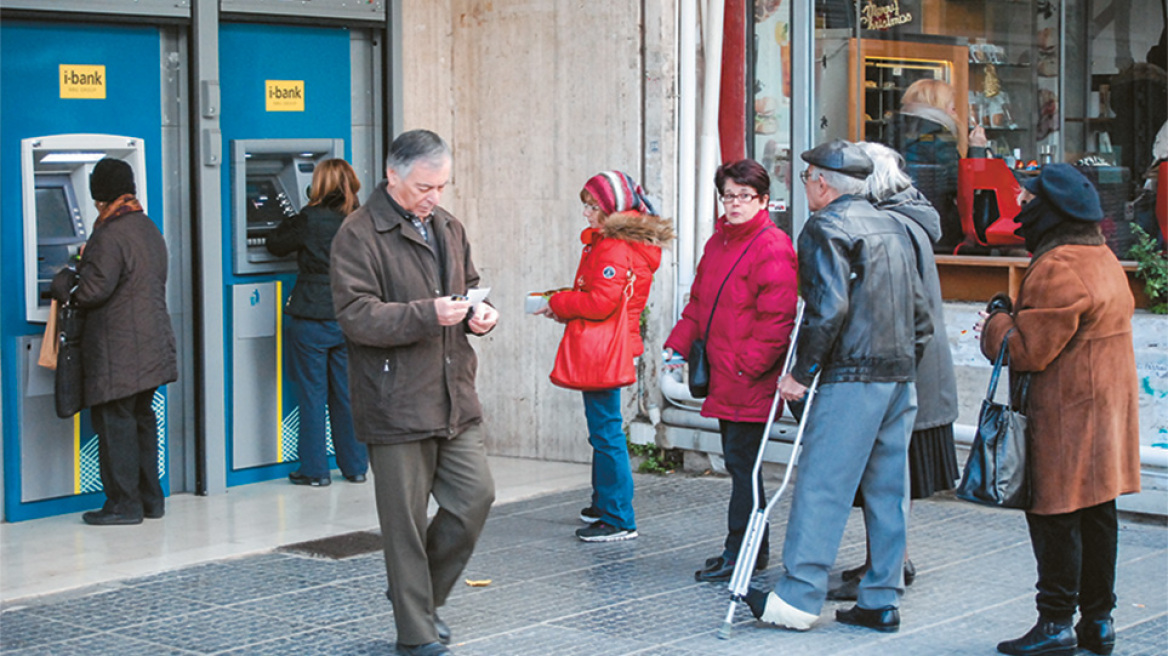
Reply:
x=786, y=616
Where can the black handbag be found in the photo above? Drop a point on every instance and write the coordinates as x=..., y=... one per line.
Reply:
x=68, y=385
x=997, y=472
x=698, y=362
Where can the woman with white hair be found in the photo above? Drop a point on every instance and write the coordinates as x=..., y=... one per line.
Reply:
x=932, y=456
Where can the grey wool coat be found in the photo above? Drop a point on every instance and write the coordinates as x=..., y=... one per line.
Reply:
x=410, y=378
x=936, y=383
x=127, y=346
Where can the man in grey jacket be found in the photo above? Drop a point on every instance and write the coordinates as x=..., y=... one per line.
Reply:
x=400, y=270
x=865, y=324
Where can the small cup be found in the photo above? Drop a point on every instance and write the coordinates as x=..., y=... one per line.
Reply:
x=534, y=302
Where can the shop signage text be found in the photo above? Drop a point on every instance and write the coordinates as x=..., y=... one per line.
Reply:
x=79, y=81
x=284, y=95
x=883, y=15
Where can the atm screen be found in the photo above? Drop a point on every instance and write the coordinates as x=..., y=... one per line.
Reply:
x=263, y=201
x=55, y=211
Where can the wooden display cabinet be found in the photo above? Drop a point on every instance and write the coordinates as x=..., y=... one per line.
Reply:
x=888, y=68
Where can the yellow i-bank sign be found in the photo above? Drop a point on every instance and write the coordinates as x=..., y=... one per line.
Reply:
x=79, y=81
x=284, y=95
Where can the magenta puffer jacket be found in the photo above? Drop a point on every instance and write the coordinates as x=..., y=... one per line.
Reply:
x=752, y=324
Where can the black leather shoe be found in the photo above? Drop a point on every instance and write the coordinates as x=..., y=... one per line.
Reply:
x=428, y=649
x=443, y=630
x=1096, y=636
x=849, y=590
x=719, y=568
x=154, y=513
x=855, y=573
x=885, y=619
x=1046, y=638
x=355, y=478
x=300, y=479
x=109, y=518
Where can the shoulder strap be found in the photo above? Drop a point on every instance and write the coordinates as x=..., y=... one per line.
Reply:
x=728, y=274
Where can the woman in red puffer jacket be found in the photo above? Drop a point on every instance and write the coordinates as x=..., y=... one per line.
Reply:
x=746, y=339
x=623, y=239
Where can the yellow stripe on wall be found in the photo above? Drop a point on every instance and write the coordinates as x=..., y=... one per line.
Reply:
x=77, y=453
x=279, y=372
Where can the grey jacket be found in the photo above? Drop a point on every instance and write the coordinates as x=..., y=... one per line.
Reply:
x=127, y=346
x=866, y=318
x=409, y=377
x=936, y=384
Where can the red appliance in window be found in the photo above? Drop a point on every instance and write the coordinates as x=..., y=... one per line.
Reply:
x=993, y=224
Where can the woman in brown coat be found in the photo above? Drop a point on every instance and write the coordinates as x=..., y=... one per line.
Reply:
x=127, y=347
x=1070, y=329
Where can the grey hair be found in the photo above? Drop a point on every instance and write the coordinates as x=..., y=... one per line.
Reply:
x=888, y=176
x=842, y=183
x=415, y=146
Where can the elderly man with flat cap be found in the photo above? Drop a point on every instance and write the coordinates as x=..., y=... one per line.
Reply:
x=865, y=325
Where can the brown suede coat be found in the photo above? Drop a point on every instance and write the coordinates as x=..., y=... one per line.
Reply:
x=1072, y=327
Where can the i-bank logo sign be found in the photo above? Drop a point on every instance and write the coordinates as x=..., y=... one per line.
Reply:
x=79, y=81
x=284, y=95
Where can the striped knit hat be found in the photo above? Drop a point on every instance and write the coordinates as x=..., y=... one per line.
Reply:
x=617, y=192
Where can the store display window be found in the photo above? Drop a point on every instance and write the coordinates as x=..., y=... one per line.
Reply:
x=1018, y=83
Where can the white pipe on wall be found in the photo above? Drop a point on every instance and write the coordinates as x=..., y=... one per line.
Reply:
x=708, y=145
x=685, y=251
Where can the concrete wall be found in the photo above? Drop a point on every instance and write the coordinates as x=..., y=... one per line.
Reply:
x=534, y=98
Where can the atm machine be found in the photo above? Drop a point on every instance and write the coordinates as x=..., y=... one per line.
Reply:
x=270, y=182
x=58, y=457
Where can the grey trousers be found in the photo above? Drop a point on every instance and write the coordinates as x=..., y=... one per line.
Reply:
x=423, y=559
x=857, y=435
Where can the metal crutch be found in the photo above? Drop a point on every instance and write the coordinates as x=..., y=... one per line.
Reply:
x=752, y=538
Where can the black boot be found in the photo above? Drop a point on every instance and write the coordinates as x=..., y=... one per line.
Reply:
x=1096, y=636
x=1047, y=637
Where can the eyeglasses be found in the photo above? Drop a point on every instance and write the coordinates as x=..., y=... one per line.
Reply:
x=734, y=198
x=591, y=207
x=805, y=175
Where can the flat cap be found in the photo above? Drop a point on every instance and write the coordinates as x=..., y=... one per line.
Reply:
x=840, y=156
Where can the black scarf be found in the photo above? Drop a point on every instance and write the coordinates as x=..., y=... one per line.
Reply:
x=1035, y=220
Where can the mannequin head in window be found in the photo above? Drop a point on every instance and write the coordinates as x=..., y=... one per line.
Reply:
x=335, y=186
x=937, y=94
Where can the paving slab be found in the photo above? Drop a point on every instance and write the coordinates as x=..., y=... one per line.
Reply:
x=552, y=594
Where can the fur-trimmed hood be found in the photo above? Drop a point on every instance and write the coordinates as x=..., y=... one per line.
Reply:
x=638, y=228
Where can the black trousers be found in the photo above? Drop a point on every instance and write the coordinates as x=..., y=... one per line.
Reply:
x=740, y=442
x=127, y=440
x=1076, y=554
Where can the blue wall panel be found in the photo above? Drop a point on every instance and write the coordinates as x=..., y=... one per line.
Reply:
x=249, y=55
x=31, y=106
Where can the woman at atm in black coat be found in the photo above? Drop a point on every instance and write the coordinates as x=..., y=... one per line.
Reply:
x=317, y=357
x=127, y=346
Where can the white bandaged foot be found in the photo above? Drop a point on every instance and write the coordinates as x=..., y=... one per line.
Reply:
x=784, y=615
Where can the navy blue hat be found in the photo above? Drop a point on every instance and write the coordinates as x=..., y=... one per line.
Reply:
x=1069, y=192
x=840, y=156
x=110, y=180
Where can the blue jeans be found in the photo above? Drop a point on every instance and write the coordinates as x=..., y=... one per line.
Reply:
x=612, y=478
x=319, y=365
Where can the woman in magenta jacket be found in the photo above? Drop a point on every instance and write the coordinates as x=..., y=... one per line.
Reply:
x=746, y=340
x=623, y=239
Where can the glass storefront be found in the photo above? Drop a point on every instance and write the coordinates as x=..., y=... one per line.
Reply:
x=1015, y=83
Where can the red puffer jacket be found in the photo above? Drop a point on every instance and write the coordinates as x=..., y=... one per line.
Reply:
x=628, y=241
x=753, y=321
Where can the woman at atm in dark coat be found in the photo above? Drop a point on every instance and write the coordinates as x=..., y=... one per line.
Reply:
x=317, y=357
x=127, y=347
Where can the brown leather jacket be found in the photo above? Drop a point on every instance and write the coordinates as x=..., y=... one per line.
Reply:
x=409, y=377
